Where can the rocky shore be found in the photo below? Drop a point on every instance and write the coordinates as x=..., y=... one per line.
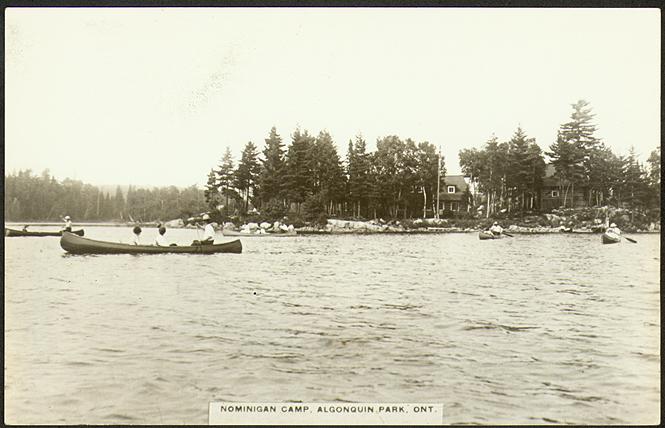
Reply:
x=580, y=220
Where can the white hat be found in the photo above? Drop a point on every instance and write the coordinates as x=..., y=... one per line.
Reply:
x=66, y=217
x=496, y=222
x=613, y=225
x=205, y=217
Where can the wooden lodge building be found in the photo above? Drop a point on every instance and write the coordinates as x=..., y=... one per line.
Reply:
x=454, y=194
x=552, y=197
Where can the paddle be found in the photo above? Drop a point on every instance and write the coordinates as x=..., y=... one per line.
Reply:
x=630, y=240
x=508, y=234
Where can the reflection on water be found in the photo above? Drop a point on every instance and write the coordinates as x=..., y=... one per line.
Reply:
x=529, y=330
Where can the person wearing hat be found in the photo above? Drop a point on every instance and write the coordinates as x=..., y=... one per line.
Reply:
x=613, y=229
x=496, y=229
x=208, y=231
x=68, y=224
x=137, y=234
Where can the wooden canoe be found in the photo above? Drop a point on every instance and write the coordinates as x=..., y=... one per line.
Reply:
x=610, y=238
x=15, y=232
x=77, y=245
x=488, y=235
x=259, y=235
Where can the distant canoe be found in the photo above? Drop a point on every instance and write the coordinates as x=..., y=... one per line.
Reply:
x=77, y=245
x=14, y=232
x=488, y=235
x=259, y=235
x=610, y=238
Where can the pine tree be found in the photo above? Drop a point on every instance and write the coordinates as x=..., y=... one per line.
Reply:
x=212, y=197
x=247, y=173
x=300, y=167
x=577, y=138
x=225, y=177
x=327, y=171
x=273, y=170
x=358, y=168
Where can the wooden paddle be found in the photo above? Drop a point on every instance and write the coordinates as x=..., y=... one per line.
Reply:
x=508, y=234
x=630, y=240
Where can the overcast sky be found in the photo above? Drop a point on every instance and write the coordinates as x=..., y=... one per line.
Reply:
x=153, y=96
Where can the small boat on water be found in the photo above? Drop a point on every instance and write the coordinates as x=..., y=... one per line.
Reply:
x=610, y=238
x=259, y=235
x=15, y=232
x=483, y=234
x=76, y=245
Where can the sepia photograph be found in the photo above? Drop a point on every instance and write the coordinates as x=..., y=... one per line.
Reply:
x=287, y=216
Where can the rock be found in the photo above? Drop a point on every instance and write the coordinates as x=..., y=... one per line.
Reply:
x=175, y=223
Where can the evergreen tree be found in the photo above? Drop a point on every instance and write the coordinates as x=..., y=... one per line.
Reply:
x=300, y=168
x=526, y=168
x=247, y=173
x=327, y=172
x=212, y=196
x=654, y=166
x=273, y=170
x=572, y=152
x=358, y=169
x=225, y=177
x=634, y=187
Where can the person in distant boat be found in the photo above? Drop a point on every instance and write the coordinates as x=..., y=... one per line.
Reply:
x=68, y=223
x=613, y=229
x=137, y=235
x=161, y=239
x=496, y=229
x=25, y=228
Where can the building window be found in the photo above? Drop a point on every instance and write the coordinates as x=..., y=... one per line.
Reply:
x=555, y=193
x=451, y=189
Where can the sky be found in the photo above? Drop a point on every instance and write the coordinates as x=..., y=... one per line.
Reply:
x=153, y=96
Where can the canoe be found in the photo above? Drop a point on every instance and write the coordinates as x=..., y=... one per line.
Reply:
x=14, y=232
x=610, y=238
x=259, y=235
x=488, y=235
x=77, y=245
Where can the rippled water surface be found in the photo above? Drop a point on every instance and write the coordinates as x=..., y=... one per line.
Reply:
x=528, y=330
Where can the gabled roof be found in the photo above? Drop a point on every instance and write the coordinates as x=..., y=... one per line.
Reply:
x=460, y=187
x=457, y=181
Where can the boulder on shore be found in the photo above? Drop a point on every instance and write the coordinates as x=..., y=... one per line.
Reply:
x=175, y=223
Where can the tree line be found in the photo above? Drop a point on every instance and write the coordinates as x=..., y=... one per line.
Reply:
x=309, y=179
x=510, y=174
x=30, y=197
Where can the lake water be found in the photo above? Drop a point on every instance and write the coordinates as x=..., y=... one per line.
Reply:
x=525, y=330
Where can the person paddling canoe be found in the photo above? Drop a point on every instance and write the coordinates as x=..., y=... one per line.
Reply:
x=496, y=229
x=208, y=232
x=613, y=229
x=68, y=223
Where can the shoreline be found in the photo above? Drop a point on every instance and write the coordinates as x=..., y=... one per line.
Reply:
x=384, y=230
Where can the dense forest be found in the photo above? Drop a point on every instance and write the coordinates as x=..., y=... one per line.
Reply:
x=308, y=180
x=510, y=174
x=30, y=197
